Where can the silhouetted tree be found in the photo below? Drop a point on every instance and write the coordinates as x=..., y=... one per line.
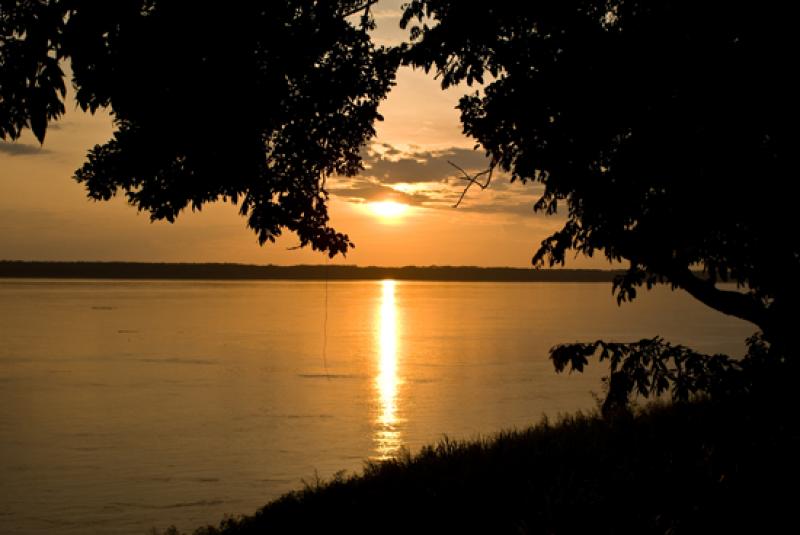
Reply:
x=664, y=129
x=253, y=102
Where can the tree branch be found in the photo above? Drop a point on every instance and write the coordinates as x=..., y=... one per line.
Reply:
x=472, y=180
x=735, y=304
x=364, y=7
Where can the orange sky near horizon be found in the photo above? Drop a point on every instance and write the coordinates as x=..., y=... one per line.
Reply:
x=45, y=215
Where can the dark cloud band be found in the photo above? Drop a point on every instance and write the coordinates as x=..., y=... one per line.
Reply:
x=393, y=166
x=21, y=149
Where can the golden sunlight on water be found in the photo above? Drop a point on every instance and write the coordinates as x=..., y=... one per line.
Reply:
x=126, y=405
x=387, y=435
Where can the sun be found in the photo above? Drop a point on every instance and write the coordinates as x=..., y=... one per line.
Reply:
x=388, y=210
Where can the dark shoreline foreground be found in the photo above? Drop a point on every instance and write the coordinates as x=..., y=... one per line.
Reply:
x=701, y=467
x=141, y=270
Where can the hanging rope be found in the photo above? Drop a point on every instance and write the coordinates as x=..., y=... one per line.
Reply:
x=325, y=324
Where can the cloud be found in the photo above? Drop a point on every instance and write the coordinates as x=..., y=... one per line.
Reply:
x=21, y=149
x=363, y=190
x=518, y=208
x=391, y=165
x=425, y=178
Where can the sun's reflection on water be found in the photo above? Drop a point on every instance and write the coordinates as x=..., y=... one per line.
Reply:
x=387, y=433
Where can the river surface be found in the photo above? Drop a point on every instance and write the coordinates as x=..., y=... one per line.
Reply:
x=128, y=405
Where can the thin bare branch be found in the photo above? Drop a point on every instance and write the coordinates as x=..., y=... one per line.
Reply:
x=473, y=180
x=364, y=7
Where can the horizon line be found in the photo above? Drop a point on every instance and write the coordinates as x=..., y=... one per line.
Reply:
x=232, y=271
x=357, y=266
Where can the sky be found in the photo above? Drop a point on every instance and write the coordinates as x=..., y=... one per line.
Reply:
x=45, y=214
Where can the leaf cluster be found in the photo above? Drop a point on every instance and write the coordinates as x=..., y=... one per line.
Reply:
x=32, y=88
x=255, y=103
x=660, y=129
x=651, y=367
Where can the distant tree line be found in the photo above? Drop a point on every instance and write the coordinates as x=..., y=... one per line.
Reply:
x=137, y=270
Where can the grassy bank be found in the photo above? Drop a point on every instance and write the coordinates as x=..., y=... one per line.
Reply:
x=692, y=468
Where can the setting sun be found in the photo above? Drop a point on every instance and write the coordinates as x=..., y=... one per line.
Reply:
x=388, y=209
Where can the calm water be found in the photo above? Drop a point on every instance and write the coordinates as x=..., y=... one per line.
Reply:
x=127, y=405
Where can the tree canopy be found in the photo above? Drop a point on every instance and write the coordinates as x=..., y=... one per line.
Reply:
x=251, y=102
x=664, y=130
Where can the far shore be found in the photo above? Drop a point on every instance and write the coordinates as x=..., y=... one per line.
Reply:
x=211, y=271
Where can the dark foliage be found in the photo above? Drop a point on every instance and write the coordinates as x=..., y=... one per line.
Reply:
x=652, y=367
x=253, y=102
x=664, y=128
